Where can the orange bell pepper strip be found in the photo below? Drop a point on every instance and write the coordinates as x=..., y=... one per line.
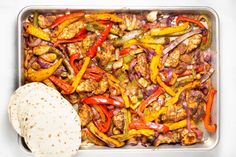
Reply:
x=188, y=19
x=210, y=127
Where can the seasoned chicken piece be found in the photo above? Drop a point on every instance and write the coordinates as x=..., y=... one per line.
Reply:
x=88, y=41
x=104, y=55
x=88, y=85
x=182, y=48
x=188, y=138
x=118, y=120
x=70, y=31
x=75, y=48
x=200, y=111
x=169, y=137
x=103, y=86
x=131, y=22
x=142, y=66
x=85, y=114
x=194, y=99
x=45, y=21
x=173, y=59
x=186, y=58
x=193, y=42
x=174, y=113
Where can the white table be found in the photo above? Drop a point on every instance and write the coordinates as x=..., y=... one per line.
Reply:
x=226, y=9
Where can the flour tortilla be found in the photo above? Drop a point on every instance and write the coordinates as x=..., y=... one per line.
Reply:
x=17, y=96
x=46, y=120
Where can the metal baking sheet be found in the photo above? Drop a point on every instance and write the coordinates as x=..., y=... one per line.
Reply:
x=210, y=140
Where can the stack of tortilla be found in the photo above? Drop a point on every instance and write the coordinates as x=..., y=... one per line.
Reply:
x=47, y=121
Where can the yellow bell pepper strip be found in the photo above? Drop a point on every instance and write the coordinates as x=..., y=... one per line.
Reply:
x=42, y=74
x=62, y=26
x=210, y=127
x=63, y=18
x=152, y=40
x=149, y=125
x=108, y=140
x=174, y=99
x=150, y=116
x=149, y=100
x=155, y=63
x=132, y=133
x=104, y=16
x=177, y=125
x=168, y=30
x=37, y=32
x=127, y=117
x=181, y=32
x=80, y=74
x=86, y=134
x=130, y=43
x=125, y=97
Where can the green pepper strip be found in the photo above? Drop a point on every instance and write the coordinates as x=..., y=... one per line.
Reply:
x=35, y=20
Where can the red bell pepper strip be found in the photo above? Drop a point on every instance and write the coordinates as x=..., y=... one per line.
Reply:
x=93, y=76
x=104, y=22
x=190, y=72
x=74, y=57
x=104, y=126
x=67, y=88
x=210, y=127
x=149, y=100
x=95, y=69
x=93, y=50
x=149, y=125
x=125, y=51
x=184, y=18
x=78, y=37
x=102, y=100
x=66, y=17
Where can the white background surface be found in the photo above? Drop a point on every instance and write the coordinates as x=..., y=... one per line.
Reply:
x=226, y=9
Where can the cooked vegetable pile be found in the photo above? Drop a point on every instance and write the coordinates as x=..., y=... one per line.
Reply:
x=132, y=77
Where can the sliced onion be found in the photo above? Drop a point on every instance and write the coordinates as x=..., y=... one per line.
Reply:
x=169, y=74
x=169, y=20
x=132, y=64
x=207, y=75
x=43, y=63
x=207, y=55
x=199, y=133
x=34, y=43
x=188, y=116
x=149, y=90
x=180, y=39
